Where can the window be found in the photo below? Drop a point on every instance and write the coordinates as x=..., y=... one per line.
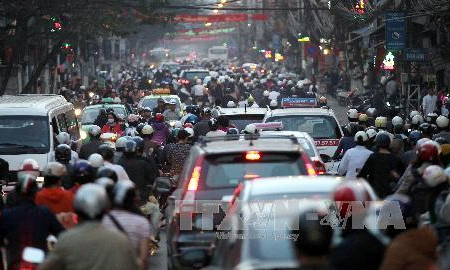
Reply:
x=72, y=125
x=62, y=123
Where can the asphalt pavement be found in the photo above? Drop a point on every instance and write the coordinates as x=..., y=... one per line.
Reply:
x=339, y=111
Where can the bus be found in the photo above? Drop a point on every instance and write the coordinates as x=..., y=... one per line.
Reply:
x=218, y=53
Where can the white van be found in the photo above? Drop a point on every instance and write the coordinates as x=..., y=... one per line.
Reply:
x=28, y=126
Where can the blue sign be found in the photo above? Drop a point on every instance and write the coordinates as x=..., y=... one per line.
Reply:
x=415, y=55
x=298, y=102
x=395, y=31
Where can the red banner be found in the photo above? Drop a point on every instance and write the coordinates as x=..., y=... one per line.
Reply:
x=242, y=17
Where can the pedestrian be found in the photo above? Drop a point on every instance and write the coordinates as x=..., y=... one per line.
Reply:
x=90, y=245
x=429, y=102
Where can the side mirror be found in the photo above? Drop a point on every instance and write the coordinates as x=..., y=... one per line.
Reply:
x=325, y=158
x=33, y=255
x=194, y=258
x=162, y=185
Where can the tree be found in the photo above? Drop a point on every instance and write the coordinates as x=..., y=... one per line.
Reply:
x=53, y=22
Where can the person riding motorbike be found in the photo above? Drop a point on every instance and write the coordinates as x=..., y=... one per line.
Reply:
x=108, y=157
x=92, y=146
x=353, y=115
x=410, y=155
x=202, y=128
x=171, y=114
x=354, y=158
x=120, y=144
x=347, y=142
x=442, y=124
x=113, y=125
x=82, y=174
x=399, y=142
x=133, y=122
x=177, y=153
x=160, y=130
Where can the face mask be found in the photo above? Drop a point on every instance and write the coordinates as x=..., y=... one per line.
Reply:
x=111, y=121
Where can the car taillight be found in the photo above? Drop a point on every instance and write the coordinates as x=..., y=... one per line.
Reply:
x=253, y=155
x=319, y=167
x=309, y=167
x=193, y=182
x=187, y=204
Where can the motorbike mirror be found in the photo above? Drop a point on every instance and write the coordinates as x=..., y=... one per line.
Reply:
x=162, y=185
x=325, y=158
x=196, y=258
x=33, y=255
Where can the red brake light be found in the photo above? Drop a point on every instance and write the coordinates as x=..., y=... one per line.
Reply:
x=193, y=182
x=253, y=155
x=319, y=167
x=309, y=167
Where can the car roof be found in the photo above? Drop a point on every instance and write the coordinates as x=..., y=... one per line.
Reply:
x=237, y=111
x=279, y=144
x=196, y=70
x=104, y=105
x=289, y=185
x=30, y=104
x=300, y=111
x=161, y=96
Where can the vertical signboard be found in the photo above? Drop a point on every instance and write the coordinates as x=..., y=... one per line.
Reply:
x=395, y=31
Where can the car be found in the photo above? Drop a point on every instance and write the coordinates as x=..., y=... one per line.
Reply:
x=320, y=123
x=171, y=66
x=214, y=169
x=151, y=101
x=28, y=125
x=90, y=113
x=188, y=77
x=260, y=212
x=241, y=117
x=308, y=145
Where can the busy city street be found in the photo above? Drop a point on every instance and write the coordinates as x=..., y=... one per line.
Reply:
x=225, y=134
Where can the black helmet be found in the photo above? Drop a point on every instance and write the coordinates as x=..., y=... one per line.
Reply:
x=196, y=110
x=105, y=151
x=314, y=239
x=107, y=172
x=130, y=147
x=441, y=140
x=63, y=153
x=82, y=172
x=383, y=140
x=213, y=124
x=352, y=128
x=206, y=112
x=26, y=185
x=140, y=127
x=427, y=128
x=107, y=184
x=139, y=143
x=189, y=109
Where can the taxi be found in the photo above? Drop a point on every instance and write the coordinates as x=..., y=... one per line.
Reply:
x=303, y=115
x=90, y=113
x=151, y=101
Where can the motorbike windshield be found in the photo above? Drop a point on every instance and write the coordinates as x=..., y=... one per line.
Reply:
x=24, y=134
x=317, y=126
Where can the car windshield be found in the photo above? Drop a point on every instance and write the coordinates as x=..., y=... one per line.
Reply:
x=317, y=126
x=89, y=115
x=191, y=75
x=241, y=121
x=153, y=102
x=229, y=170
x=24, y=134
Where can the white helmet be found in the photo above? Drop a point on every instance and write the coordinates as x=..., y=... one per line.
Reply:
x=190, y=131
x=147, y=130
x=63, y=138
x=82, y=87
x=250, y=129
x=266, y=93
x=279, y=83
x=29, y=166
x=91, y=201
x=361, y=135
x=397, y=121
x=434, y=175
x=273, y=103
x=263, y=81
x=371, y=133
x=120, y=143
x=300, y=84
x=413, y=113
x=96, y=160
x=133, y=118
x=177, y=124
x=290, y=82
x=417, y=119
x=442, y=122
x=54, y=169
x=231, y=104
x=241, y=80
x=95, y=130
x=199, y=81
x=353, y=114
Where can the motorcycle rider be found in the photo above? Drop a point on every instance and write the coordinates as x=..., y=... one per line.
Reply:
x=371, y=115
x=133, y=122
x=52, y=195
x=90, y=245
x=427, y=130
x=146, y=114
x=137, y=169
x=399, y=141
x=160, y=130
x=120, y=143
x=273, y=105
x=382, y=169
x=101, y=119
x=160, y=108
x=123, y=219
x=202, y=127
x=63, y=156
x=347, y=142
x=214, y=129
x=371, y=134
x=353, y=115
x=177, y=153
x=82, y=174
x=64, y=138
x=354, y=158
x=171, y=114
x=26, y=224
x=410, y=155
x=442, y=124
x=92, y=146
x=362, y=120
x=108, y=157
x=416, y=121
x=381, y=123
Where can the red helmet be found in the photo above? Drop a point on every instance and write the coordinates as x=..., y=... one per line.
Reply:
x=428, y=152
x=351, y=191
x=159, y=117
x=29, y=166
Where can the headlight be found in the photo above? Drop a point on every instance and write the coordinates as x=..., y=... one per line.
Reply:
x=149, y=81
x=77, y=112
x=91, y=94
x=83, y=134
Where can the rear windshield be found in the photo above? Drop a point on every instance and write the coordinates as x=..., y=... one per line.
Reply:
x=228, y=171
x=90, y=115
x=241, y=121
x=153, y=102
x=317, y=126
x=191, y=75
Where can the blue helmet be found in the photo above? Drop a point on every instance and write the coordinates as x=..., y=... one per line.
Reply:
x=82, y=172
x=192, y=119
x=414, y=136
x=130, y=147
x=139, y=143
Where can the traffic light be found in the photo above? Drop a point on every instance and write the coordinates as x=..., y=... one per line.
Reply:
x=57, y=25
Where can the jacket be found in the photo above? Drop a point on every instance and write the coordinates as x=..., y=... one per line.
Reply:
x=91, y=246
x=56, y=199
x=414, y=249
x=405, y=182
x=160, y=133
x=140, y=173
x=89, y=148
x=353, y=161
x=201, y=128
x=112, y=129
